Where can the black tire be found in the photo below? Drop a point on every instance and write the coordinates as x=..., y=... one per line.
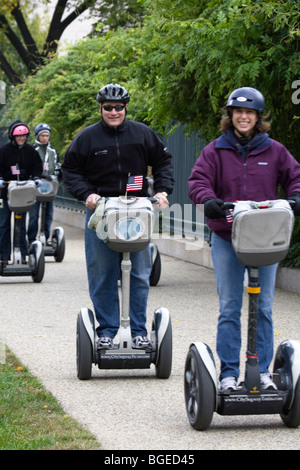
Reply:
x=199, y=391
x=292, y=417
x=156, y=270
x=38, y=271
x=60, y=252
x=163, y=365
x=84, y=352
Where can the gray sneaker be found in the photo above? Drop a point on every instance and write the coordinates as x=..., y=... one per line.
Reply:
x=105, y=342
x=141, y=342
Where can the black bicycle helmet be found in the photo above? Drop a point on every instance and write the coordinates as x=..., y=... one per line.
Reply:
x=246, y=98
x=113, y=92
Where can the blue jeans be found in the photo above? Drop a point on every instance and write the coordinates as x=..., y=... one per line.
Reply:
x=103, y=269
x=33, y=224
x=5, y=233
x=230, y=286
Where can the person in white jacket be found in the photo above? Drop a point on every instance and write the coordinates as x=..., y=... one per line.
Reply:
x=51, y=167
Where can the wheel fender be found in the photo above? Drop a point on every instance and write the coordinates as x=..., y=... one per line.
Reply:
x=207, y=357
x=162, y=319
x=288, y=355
x=154, y=251
x=89, y=324
x=59, y=233
x=37, y=248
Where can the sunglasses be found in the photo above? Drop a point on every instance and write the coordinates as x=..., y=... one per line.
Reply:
x=117, y=107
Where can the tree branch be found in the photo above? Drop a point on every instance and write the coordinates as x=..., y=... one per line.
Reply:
x=9, y=71
x=33, y=54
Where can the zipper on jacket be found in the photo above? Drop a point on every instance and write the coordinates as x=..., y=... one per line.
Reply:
x=119, y=160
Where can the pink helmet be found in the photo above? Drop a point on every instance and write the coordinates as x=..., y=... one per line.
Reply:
x=20, y=130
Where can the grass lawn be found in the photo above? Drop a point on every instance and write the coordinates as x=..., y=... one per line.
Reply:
x=31, y=418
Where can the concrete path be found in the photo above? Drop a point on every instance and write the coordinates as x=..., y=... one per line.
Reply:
x=132, y=409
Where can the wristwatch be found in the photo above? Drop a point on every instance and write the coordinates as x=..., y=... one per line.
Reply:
x=164, y=193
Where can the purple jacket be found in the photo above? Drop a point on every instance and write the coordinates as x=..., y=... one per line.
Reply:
x=229, y=172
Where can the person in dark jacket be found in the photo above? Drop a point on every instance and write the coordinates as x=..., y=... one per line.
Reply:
x=98, y=163
x=18, y=161
x=244, y=163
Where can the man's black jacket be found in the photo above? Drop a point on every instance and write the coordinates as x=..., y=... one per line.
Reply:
x=101, y=157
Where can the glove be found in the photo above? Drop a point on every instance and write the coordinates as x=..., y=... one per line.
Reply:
x=2, y=183
x=296, y=207
x=213, y=210
x=38, y=182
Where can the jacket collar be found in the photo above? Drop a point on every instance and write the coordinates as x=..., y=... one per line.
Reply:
x=230, y=141
x=120, y=128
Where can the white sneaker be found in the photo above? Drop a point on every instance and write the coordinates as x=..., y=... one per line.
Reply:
x=266, y=382
x=228, y=384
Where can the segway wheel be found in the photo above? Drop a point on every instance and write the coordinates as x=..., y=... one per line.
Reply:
x=37, y=261
x=60, y=251
x=84, y=351
x=199, y=391
x=156, y=266
x=292, y=417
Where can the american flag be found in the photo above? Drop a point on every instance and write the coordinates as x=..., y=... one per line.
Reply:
x=15, y=170
x=134, y=183
x=229, y=216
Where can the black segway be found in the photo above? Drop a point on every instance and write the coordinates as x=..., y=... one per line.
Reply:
x=56, y=246
x=270, y=224
x=126, y=226
x=21, y=198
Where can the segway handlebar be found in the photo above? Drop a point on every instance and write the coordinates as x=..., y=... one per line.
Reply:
x=260, y=205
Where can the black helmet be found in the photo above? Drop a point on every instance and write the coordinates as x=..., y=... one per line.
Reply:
x=113, y=92
x=246, y=98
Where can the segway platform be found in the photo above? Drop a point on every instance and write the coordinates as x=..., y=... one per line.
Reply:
x=126, y=226
x=21, y=197
x=261, y=235
x=56, y=246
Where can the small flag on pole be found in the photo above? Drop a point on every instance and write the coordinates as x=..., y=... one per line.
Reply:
x=15, y=169
x=229, y=216
x=134, y=183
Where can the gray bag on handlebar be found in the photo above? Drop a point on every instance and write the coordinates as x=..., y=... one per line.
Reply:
x=21, y=195
x=127, y=223
x=261, y=231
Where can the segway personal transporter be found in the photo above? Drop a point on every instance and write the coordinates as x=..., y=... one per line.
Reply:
x=260, y=236
x=56, y=246
x=126, y=227
x=21, y=197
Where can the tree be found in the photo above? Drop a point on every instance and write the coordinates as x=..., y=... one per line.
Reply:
x=18, y=36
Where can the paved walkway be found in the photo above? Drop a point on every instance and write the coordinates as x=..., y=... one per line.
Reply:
x=132, y=410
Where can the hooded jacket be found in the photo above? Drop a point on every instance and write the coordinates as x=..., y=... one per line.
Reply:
x=26, y=158
x=230, y=171
x=101, y=157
